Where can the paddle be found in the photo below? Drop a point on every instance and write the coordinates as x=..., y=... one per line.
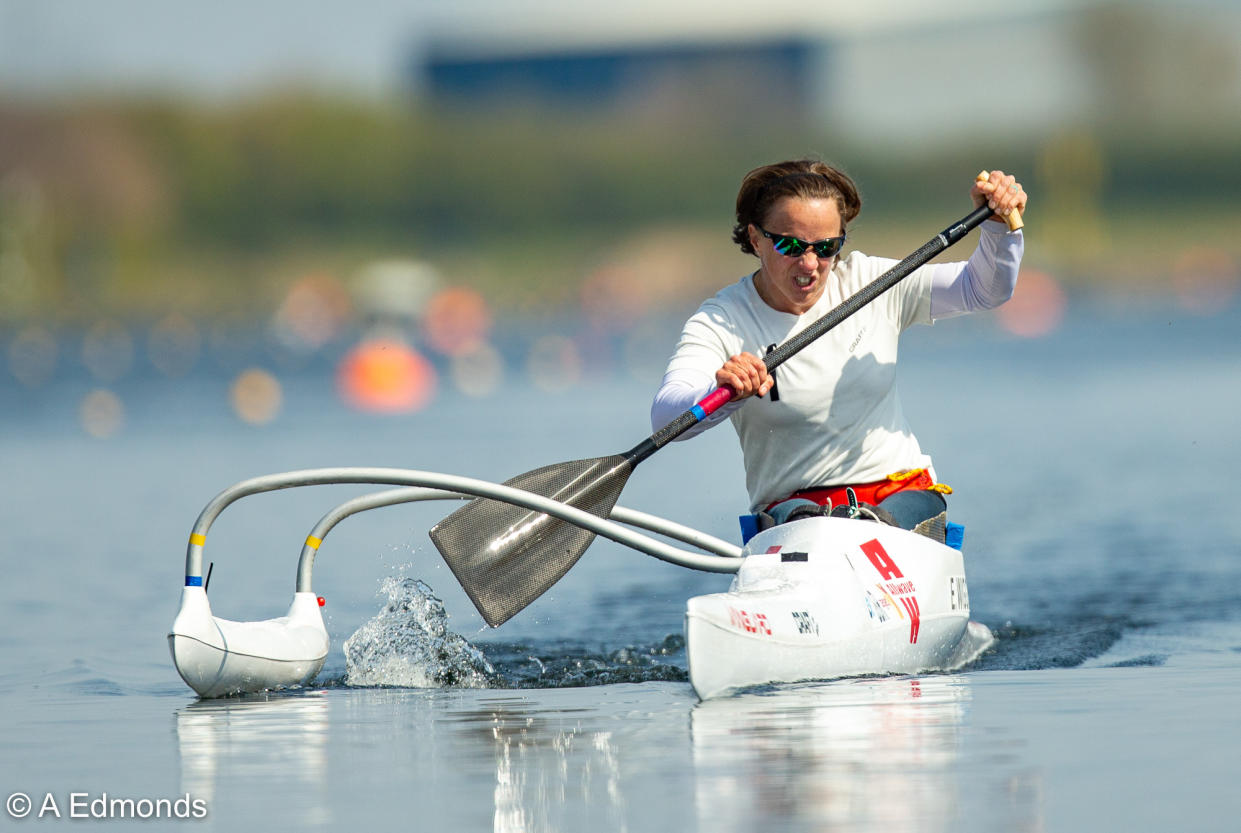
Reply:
x=506, y=556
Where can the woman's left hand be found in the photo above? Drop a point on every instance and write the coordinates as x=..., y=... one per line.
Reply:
x=1002, y=192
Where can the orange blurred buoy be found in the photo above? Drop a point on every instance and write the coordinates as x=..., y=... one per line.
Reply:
x=385, y=375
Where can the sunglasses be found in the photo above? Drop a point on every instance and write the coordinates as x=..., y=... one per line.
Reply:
x=794, y=247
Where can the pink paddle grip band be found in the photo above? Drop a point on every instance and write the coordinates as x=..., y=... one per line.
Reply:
x=716, y=399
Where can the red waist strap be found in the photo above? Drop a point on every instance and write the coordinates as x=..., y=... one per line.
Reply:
x=871, y=493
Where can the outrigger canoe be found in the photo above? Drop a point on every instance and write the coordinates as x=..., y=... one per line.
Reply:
x=817, y=598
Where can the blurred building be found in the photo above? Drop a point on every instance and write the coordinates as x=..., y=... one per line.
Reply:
x=777, y=77
x=918, y=75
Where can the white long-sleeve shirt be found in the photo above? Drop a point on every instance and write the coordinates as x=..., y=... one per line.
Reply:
x=835, y=417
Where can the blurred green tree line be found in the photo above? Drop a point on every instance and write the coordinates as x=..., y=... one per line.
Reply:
x=137, y=206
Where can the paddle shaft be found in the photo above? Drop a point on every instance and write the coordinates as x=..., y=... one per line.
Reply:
x=713, y=401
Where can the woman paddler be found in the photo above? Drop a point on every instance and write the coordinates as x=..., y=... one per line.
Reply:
x=830, y=418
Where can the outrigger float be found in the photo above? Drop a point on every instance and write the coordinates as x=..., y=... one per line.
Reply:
x=815, y=598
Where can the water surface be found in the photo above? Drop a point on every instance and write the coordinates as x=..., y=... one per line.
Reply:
x=1094, y=472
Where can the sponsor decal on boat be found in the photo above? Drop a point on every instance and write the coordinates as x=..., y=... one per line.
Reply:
x=878, y=605
x=958, y=593
x=805, y=622
x=883, y=562
x=893, y=590
x=915, y=616
x=755, y=623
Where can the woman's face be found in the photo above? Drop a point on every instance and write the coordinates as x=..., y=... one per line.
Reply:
x=795, y=284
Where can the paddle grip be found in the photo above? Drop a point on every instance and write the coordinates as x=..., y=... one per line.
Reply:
x=716, y=399
x=1014, y=217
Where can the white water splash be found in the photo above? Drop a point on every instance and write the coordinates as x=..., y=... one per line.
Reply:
x=408, y=644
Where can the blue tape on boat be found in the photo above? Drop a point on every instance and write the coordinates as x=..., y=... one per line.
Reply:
x=954, y=535
x=749, y=527
x=193, y=581
x=698, y=413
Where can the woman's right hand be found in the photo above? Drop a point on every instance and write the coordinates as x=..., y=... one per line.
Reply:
x=746, y=375
x=1001, y=191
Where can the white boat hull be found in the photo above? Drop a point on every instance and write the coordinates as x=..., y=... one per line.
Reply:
x=822, y=598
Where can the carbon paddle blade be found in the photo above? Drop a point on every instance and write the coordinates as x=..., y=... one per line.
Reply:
x=506, y=556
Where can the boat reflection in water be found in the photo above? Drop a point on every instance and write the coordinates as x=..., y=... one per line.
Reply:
x=262, y=738
x=568, y=769
x=892, y=754
x=851, y=754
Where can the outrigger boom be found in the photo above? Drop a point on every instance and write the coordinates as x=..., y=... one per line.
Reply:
x=218, y=657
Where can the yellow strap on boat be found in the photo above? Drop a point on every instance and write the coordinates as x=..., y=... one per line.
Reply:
x=909, y=474
x=199, y=540
x=313, y=542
